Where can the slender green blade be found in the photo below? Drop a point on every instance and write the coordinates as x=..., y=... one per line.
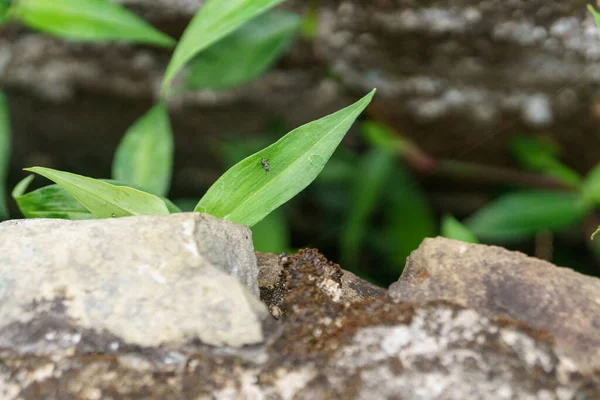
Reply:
x=379, y=135
x=541, y=155
x=591, y=186
x=4, y=153
x=52, y=201
x=144, y=157
x=246, y=193
x=522, y=214
x=454, y=229
x=103, y=199
x=215, y=20
x=408, y=217
x=87, y=20
x=244, y=54
x=371, y=177
x=596, y=15
x=3, y=11
x=596, y=233
x=271, y=235
x=310, y=21
x=48, y=202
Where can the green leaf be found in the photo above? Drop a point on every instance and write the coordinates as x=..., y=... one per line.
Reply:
x=52, y=201
x=408, y=218
x=595, y=233
x=380, y=135
x=522, y=214
x=87, y=20
x=542, y=156
x=246, y=193
x=233, y=150
x=215, y=20
x=103, y=199
x=4, y=153
x=454, y=229
x=244, y=54
x=370, y=179
x=310, y=21
x=596, y=17
x=271, y=235
x=4, y=5
x=48, y=202
x=144, y=157
x=591, y=186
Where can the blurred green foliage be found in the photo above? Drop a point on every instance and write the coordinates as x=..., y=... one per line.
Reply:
x=540, y=155
x=144, y=157
x=214, y=21
x=365, y=208
x=454, y=229
x=85, y=20
x=5, y=141
x=254, y=47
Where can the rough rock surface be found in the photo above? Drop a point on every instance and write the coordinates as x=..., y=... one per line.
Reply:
x=461, y=75
x=273, y=287
x=324, y=348
x=506, y=284
x=145, y=281
x=452, y=75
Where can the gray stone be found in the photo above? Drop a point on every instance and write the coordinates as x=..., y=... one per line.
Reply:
x=326, y=348
x=145, y=281
x=506, y=284
x=468, y=75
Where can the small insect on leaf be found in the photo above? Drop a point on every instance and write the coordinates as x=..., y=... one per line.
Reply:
x=265, y=164
x=243, y=195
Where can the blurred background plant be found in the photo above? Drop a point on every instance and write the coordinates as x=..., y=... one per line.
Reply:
x=380, y=194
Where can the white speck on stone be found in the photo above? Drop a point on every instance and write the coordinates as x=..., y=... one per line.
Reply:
x=472, y=14
x=332, y=288
x=92, y=394
x=69, y=339
x=189, y=231
x=537, y=110
x=505, y=392
x=431, y=109
x=521, y=32
x=527, y=349
x=152, y=273
x=398, y=338
x=290, y=382
x=564, y=26
x=564, y=393
x=43, y=373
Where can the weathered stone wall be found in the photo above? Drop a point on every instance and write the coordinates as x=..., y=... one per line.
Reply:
x=87, y=315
